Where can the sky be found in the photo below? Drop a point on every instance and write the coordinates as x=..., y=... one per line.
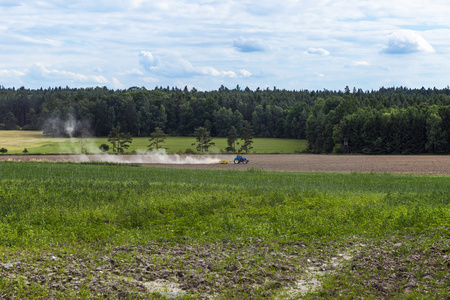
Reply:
x=204, y=44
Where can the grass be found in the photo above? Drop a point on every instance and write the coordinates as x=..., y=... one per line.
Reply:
x=16, y=141
x=234, y=234
x=36, y=143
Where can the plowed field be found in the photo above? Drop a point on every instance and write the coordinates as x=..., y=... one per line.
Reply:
x=425, y=164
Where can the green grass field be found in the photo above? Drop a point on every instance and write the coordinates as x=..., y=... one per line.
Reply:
x=36, y=143
x=88, y=231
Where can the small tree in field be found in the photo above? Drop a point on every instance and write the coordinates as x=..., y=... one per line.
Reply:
x=231, y=139
x=119, y=140
x=3, y=150
x=204, y=140
x=83, y=140
x=246, y=137
x=157, y=138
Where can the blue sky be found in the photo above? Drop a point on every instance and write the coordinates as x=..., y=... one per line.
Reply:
x=289, y=44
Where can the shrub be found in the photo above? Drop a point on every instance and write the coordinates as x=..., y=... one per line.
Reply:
x=104, y=147
x=3, y=150
x=189, y=151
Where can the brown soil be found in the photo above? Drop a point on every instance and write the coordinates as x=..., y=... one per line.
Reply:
x=414, y=164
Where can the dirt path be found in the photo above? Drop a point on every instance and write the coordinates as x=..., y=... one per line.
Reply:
x=414, y=164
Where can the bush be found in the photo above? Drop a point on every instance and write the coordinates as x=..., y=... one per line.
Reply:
x=25, y=151
x=189, y=151
x=338, y=148
x=3, y=150
x=104, y=147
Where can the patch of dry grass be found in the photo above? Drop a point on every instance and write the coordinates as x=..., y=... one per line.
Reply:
x=15, y=140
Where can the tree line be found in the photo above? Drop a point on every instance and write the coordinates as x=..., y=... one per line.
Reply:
x=389, y=120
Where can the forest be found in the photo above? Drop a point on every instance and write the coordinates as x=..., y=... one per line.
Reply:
x=396, y=120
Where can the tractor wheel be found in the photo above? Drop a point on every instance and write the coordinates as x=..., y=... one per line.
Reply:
x=236, y=161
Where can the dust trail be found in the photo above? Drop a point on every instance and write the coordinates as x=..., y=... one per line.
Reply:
x=74, y=129
x=151, y=158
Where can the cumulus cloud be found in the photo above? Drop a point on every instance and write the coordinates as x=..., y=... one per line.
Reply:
x=407, y=41
x=317, y=51
x=168, y=64
x=147, y=60
x=361, y=63
x=249, y=45
x=38, y=71
x=11, y=73
x=117, y=84
x=103, y=34
x=173, y=65
x=213, y=72
x=245, y=73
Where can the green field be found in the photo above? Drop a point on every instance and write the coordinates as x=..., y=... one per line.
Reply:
x=37, y=143
x=88, y=231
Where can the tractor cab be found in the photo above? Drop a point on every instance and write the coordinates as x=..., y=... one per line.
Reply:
x=240, y=159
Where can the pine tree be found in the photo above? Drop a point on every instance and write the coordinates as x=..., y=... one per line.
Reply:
x=157, y=137
x=203, y=138
x=119, y=140
x=231, y=139
x=246, y=137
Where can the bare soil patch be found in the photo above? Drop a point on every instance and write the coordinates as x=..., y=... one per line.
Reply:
x=413, y=164
x=250, y=268
x=232, y=269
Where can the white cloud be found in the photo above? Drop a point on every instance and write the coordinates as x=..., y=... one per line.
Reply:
x=359, y=63
x=134, y=72
x=230, y=38
x=147, y=60
x=38, y=71
x=117, y=84
x=11, y=73
x=213, y=72
x=317, y=51
x=44, y=41
x=249, y=45
x=229, y=74
x=245, y=73
x=170, y=64
x=407, y=41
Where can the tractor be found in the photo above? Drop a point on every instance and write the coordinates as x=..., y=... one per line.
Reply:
x=240, y=159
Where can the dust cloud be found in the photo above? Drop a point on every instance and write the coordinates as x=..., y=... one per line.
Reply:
x=72, y=128
x=151, y=158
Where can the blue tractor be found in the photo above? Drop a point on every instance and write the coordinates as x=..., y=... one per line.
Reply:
x=240, y=159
